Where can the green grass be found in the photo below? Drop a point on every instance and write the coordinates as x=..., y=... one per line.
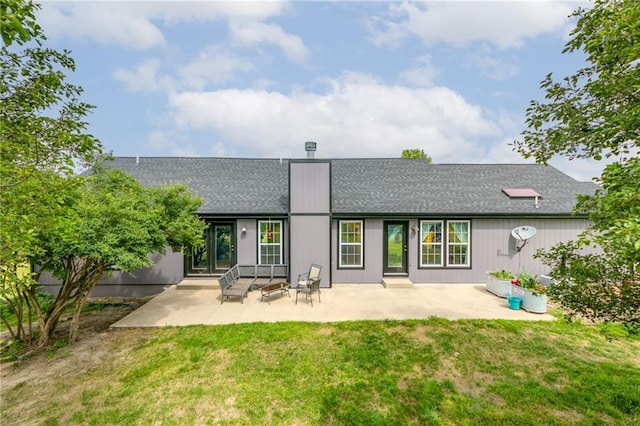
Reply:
x=426, y=372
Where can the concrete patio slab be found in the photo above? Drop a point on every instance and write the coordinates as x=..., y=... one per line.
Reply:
x=342, y=302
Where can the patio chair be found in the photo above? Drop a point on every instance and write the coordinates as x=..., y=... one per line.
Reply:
x=309, y=283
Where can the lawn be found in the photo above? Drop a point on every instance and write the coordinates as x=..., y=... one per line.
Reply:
x=427, y=372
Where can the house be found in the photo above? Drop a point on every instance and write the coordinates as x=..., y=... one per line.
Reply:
x=365, y=220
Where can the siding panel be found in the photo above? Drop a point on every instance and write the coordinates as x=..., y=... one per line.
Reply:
x=168, y=269
x=492, y=247
x=309, y=187
x=311, y=245
x=372, y=272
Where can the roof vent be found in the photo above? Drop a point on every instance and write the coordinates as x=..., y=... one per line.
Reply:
x=310, y=147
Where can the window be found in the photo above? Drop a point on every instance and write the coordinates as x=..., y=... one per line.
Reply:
x=350, y=244
x=270, y=242
x=434, y=240
x=431, y=247
x=458, y=243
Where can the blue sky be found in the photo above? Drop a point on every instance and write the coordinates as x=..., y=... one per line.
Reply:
x=362, y=79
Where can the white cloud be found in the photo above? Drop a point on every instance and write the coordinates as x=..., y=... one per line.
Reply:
x=144, y=77
x=356, y=116
x=504, y=24
x=584, y=169
x=422, y=74
x=251, y=33
x=105, y=23
x=213, y=65
x=493, y=66
x=134, y=25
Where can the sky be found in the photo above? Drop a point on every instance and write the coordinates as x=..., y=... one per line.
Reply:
x=359, y=78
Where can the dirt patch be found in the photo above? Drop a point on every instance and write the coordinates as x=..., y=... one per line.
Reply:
x=96, y=342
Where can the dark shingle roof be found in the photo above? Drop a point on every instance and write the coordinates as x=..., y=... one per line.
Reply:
x=227, y=185
x=411, y=186
x=366, y=186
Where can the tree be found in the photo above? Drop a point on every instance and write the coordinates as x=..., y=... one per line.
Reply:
x=416, y=153
x=595, y=113
x=111, y=222
x=18, y=21
x=75, y=227
x=42, y=138
x=604, y=287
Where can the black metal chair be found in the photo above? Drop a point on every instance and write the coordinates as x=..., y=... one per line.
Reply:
x=309, y=283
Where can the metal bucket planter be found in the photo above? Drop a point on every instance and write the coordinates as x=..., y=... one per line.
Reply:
x=497, y=286
x=534, y=303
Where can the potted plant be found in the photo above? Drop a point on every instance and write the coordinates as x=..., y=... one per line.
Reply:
x=499, y=282
x=533, y=293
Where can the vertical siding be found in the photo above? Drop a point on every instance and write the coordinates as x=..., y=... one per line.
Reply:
x=310, y=244
x=492, y=247
x=372, y=272
x=309, y=218
x=168, y=269
x=247, y=251
x=309, y=187
x=247, y=243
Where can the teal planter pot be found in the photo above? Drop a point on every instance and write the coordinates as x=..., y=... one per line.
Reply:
x=514, y=302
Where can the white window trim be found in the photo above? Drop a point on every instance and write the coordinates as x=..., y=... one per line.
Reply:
x=261, y=244
x=341, y=244
x=445, y=244
x=467, y=244
x=442, y=244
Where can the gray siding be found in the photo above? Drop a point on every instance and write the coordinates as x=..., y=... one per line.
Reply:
x=247, y=243
x=310, y=244
x=309, y=187
x=309, y=219
x=492, y=247
x=501, y=253
x=247, y=251
x=168, y=269
x=372, y=272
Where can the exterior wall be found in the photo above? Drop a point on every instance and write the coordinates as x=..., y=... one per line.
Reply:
x=168, y=269
x=247, y=242
x=372, y=272
x=310, y=244
x=492, y=247
x=309, y=187
x=309, y=218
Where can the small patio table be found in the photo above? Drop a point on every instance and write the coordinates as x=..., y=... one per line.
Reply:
x=269, y=289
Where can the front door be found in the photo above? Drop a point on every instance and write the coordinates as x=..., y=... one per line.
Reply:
x=218, y=253
x=395, y=248
x=225, y=248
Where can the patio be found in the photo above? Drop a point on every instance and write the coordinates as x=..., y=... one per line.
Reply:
x=342, y=302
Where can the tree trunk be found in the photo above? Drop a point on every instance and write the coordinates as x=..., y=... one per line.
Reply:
x=75, y=320
x=82, y=275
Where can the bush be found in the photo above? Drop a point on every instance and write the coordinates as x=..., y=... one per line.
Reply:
x=594, y=287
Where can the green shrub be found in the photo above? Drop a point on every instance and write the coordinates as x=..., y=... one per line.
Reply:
x=502, y=274
x=594, y=287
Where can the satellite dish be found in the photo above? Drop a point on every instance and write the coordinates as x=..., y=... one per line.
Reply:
x=522, y=234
